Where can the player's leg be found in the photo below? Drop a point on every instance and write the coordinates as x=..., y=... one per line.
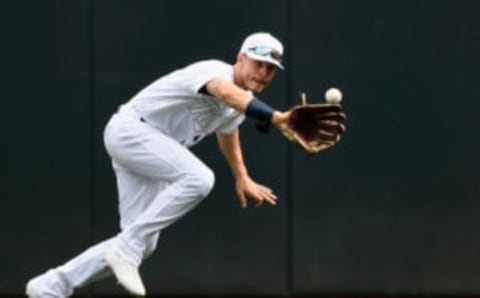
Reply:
x=61, y=281
x=149, y=153
x=135, y=195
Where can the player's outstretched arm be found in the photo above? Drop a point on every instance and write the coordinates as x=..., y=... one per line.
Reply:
x=229, y=93
x=246, y=103
x=246, y=187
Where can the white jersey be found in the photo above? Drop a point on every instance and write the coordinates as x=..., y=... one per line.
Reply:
x=175, y=105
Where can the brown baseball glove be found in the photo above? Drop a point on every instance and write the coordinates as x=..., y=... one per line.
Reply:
x=315, y=127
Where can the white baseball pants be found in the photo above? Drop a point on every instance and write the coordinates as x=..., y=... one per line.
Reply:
x=158, y=182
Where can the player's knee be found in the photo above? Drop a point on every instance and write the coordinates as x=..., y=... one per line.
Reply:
x=202, y=182
x=206, y=183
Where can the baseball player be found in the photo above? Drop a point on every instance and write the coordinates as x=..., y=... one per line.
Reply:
x=158, y=178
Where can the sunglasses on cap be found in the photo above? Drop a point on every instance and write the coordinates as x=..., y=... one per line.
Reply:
x=266, y=52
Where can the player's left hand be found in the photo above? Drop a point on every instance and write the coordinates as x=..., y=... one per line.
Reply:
x=248, y=189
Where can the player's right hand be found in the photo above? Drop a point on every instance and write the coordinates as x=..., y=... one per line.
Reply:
x=248, y=189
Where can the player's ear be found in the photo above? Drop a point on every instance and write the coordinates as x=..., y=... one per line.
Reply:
x=241, y=57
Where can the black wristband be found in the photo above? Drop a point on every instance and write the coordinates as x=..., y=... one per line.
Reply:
x=259, y=110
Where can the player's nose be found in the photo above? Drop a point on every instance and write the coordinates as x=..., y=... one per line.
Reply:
x=265, y=69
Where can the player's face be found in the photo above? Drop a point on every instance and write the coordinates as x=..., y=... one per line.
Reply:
x=255, y=75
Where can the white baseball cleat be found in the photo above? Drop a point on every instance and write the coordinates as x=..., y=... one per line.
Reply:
x=48, y=285
x=33, y=290
x=125, y=271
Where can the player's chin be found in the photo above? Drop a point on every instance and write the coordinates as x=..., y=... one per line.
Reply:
x=257, y=87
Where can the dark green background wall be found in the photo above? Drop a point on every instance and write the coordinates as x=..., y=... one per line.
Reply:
x=392, y=209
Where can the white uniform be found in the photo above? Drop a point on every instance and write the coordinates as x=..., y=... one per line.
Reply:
x=174, y=104
x=158, y=178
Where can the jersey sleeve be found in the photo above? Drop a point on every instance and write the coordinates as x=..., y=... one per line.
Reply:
x=228, y=127
x=196, y=76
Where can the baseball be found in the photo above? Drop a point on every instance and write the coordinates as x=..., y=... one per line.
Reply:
x=333, y=95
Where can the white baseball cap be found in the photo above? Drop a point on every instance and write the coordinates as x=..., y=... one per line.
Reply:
x=263, y=46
